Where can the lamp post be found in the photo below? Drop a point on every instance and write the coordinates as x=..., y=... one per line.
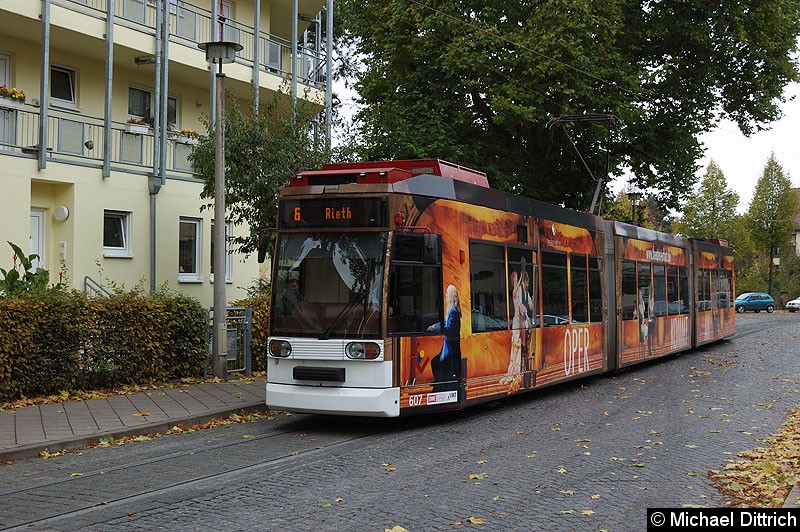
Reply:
x=634, y=197
x=218, y=52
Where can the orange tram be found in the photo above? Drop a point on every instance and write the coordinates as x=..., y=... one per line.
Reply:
x=407, y=287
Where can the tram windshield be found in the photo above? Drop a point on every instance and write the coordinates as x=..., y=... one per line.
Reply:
x=328, y=285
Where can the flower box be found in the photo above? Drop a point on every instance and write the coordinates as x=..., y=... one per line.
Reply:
x=191, y=141
x=137, y=129
x=11, y=103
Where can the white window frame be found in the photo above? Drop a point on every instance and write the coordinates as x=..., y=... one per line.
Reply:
x=191, y=277
x=152, y=103
x=228, y=261
x=73, y=78
x=123, y=251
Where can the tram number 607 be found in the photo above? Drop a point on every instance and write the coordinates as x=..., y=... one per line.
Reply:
x=415, y=400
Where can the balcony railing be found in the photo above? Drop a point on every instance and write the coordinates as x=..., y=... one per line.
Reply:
x=191, y=25
x=79, y=139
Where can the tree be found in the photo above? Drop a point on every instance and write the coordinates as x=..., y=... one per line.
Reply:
x=770, y=217
x=262, y=153
x=710, y=213
x=480, y=82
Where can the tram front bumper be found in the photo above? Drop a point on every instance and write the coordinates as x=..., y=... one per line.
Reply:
x=374, y=402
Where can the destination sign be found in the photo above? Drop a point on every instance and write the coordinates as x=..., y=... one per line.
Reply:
x=334, y=212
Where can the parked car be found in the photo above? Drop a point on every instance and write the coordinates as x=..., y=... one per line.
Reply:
x=755, y=302
x=793, y=305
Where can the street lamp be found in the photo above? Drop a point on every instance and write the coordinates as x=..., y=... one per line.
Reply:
x=634, y=197
x=218, y=52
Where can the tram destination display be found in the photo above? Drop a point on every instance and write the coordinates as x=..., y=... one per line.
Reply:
x=334, y=212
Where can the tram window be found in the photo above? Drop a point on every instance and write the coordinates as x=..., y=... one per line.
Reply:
x=488, y=287
x=628, y=305
x=580, y=288
x=595, y=290
x=555, y=300
x=683, y=288
x=522, y=288
x=729, y=287
x=415, y=293
x=415, y=286
x=423, y=248
x=723, y=294
x=659, y=291
x=673, y=303
x=644, y=294
x=703, y=291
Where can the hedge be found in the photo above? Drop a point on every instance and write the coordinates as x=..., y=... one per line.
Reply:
x=62, y=340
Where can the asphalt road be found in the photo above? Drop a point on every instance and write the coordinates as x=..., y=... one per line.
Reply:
x=586, y=456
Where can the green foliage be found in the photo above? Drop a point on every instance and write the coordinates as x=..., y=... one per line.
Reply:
x=771, y=216
x=262, y=153
x=62, y=340
x=22, y=278
x=477, y=82
x=711, y=212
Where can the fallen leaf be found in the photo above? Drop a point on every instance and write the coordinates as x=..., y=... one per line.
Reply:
x=561, y=470
x=475, y=520
x=326, y=505
x=587, y=512
x=249, y=436
x=568, y=492
x=478, y=476
x=141, y=414
x=595, y=496
x=76, y=475
x=396, y=528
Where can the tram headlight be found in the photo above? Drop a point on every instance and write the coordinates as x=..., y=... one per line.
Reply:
x=363, y=350
x=280, y=348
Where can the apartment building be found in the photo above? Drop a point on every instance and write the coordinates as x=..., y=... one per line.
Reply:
x=96, y=154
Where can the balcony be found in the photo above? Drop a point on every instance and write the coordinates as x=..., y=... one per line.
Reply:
x=77, y=139
x=190, y=25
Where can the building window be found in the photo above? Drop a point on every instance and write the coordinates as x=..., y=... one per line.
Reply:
x=228, y=276
x=140, y=105
x=62, y=85
x=116, y=234
x=189, y=250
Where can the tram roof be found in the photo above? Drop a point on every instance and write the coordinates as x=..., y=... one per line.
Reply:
x=388, y=172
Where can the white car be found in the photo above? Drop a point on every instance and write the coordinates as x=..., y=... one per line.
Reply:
x=793, y=305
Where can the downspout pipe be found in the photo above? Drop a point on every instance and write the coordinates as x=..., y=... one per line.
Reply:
x=44, y=87
x=156, y=104
x=329, y=70
x=164, y=92
x=216, y=35
x=256, y=55
x=107, y=139
x=295, y=27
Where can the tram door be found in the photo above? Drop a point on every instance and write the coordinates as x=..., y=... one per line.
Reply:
x=427, y=317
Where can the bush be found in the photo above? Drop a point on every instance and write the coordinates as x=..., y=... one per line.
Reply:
x=61, y=340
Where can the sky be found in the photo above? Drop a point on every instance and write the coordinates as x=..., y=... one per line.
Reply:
x=742, y=159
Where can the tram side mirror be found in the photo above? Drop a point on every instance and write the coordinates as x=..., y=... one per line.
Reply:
x=430, y=251
x=263, y=243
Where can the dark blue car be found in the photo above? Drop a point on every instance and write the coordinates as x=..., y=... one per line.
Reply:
x=755, y=302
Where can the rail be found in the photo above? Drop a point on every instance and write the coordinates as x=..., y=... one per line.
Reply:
x=190, y=25
x=78, y=138
x=94, y=289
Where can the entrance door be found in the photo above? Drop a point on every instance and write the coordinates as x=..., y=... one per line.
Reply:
x=37, y=243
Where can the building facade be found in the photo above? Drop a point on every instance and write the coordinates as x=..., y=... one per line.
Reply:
x=96, y=153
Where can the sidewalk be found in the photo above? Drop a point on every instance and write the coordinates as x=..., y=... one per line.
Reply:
x=26, y=431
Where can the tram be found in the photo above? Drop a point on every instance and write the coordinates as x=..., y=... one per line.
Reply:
x=407, y=287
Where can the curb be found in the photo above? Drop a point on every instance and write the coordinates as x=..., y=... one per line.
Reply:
x=793, y=499
x=32, y=450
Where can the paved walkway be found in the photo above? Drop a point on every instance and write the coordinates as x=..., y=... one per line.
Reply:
x=27, y=431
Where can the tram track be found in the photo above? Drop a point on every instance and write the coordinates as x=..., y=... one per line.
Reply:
x=89, y=492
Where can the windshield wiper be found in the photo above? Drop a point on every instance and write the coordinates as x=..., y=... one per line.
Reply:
x=327, y=333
